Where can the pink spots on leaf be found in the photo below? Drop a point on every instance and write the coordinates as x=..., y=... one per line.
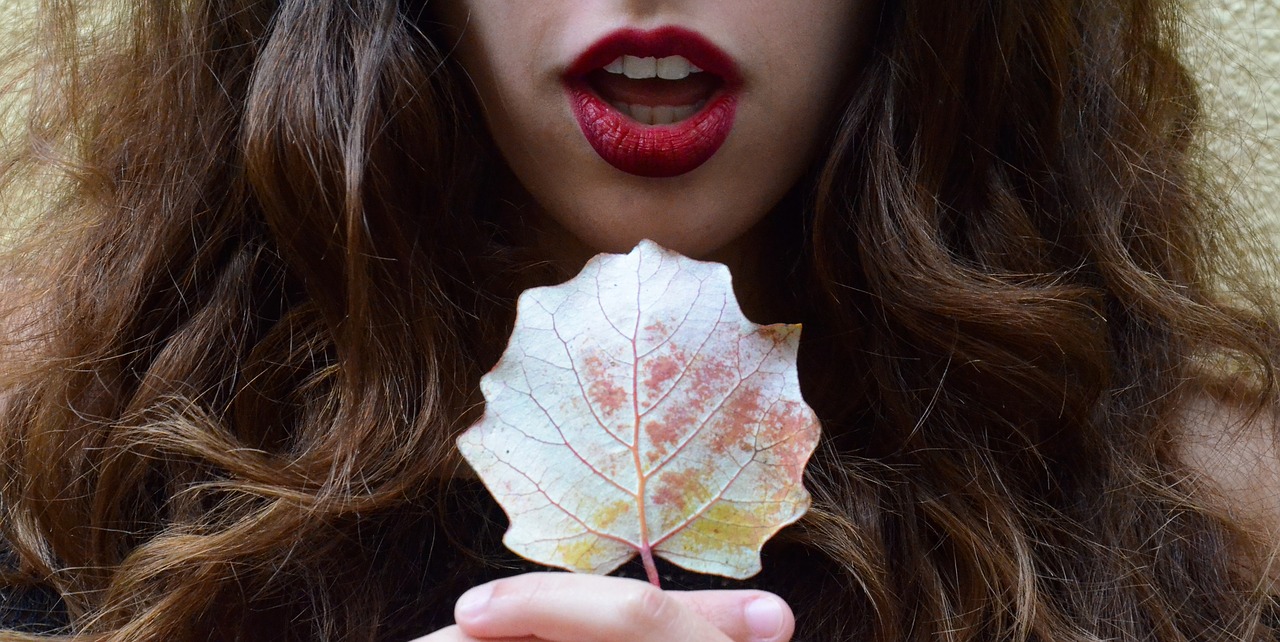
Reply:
x=656, y=332
x=663, y=434
x=739, y=420
x=601, y=390
x=661, y=371
x=676, y=489
x=671, y=425
x=711, y=377
x=788, y=430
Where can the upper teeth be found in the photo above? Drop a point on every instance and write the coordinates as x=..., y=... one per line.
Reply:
x=669, y=68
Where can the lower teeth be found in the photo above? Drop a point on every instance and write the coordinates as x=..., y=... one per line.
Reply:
x=659, y=115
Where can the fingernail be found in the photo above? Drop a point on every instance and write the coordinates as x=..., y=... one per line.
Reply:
x=764, y=618
x=473, y=602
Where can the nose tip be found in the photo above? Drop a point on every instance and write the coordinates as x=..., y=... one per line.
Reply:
x=646, y=8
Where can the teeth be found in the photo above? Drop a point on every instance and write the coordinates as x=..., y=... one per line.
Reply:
x=639, y=68
x=669, y=68
x=675, y=68
x=642, y=114
x=659, y=115
x=664, y=115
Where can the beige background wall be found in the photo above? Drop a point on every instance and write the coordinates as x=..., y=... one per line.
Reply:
x=1236, y=47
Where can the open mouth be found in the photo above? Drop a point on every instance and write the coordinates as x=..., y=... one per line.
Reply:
x=655, y=91
x=654, y=103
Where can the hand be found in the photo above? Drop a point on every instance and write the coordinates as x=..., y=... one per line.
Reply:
x=565, y=607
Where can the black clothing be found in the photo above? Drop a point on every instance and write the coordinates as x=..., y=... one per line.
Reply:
x=434, y=576
x=28, y=608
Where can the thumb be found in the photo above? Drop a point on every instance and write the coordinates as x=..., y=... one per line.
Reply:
x=744, y=616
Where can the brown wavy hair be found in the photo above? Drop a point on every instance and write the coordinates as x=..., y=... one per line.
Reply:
x=264, y=272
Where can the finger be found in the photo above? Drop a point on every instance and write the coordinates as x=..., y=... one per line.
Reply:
x=455, y=634
x=564, y=607
x=742, y=615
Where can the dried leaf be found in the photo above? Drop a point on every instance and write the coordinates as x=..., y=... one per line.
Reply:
x=636, y=410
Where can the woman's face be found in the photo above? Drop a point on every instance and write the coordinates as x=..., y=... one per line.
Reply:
x=681, y=121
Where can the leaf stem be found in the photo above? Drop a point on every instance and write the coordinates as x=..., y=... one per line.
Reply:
x=650, y=568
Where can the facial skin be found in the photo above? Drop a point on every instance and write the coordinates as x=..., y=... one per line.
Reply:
x=794, y=58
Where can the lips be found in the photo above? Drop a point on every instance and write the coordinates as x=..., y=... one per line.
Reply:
x=671, y=110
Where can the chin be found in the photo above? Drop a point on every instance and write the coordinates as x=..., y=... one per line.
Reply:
x=698, y=221
x=708, y=242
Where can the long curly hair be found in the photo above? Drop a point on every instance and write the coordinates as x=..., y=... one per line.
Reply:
x=263, y=272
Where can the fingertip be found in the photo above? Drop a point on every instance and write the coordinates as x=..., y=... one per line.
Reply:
x=472, y=605
x=768, y=618
x=743, y=615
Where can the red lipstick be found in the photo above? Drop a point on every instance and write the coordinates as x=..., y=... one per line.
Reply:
x=638, y=148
